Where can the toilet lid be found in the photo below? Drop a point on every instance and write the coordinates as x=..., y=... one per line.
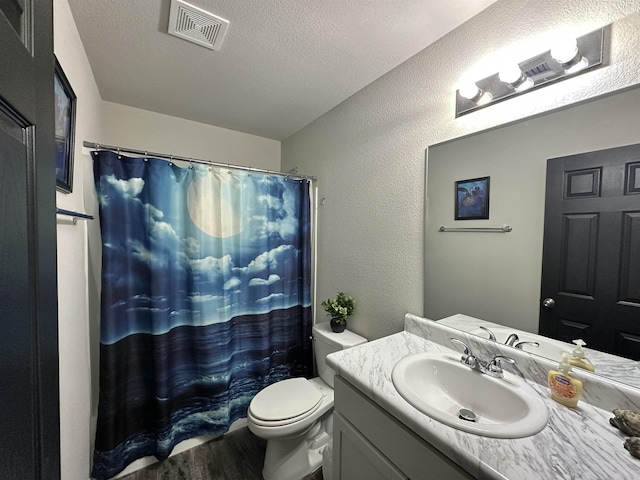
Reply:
x=285, y=399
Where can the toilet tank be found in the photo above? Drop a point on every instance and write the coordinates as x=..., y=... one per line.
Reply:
x=325, y=342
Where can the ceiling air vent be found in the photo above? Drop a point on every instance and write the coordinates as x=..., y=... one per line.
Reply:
x=196, y=25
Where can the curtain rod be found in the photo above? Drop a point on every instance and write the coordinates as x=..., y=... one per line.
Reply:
x=100, y=146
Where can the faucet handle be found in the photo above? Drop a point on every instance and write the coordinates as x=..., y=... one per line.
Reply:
x=494, y=368
x=467, y=350
x=468, y=358
x=491, y=335
x=522, y=344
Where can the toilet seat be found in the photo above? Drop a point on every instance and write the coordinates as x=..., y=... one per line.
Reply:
x=285, y=402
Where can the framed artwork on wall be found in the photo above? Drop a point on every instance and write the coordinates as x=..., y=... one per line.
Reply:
x=472, y=199
x=65, y=122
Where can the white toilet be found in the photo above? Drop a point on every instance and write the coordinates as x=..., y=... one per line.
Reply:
x=295, y=416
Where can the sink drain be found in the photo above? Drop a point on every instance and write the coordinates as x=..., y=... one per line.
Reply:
x=468, y=415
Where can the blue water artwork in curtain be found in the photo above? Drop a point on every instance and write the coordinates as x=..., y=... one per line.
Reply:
x=206, y=299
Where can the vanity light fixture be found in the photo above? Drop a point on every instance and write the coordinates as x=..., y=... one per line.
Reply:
x=567, y=58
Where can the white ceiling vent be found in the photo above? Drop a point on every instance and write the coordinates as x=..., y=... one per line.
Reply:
x=197, y=25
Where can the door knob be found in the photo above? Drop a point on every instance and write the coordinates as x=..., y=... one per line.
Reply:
x=548, y=303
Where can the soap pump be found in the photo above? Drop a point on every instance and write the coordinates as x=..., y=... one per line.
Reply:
x=565, y=387
x=578, y=359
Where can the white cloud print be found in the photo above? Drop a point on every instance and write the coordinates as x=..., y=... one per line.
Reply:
x=268, y=260
x=274, y=297
x=232, y=283
x=212, y=267
x=128, y=188
x=264, y=282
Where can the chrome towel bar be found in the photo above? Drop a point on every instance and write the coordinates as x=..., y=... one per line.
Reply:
x=505, y=229
x=75, y=215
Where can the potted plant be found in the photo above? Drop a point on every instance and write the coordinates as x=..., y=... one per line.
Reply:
x=339, y=309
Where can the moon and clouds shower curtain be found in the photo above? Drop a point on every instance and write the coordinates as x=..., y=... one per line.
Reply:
x=206, y=299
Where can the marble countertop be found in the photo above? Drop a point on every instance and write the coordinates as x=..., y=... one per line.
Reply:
x=576, y=443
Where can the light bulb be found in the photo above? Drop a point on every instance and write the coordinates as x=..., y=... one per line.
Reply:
x=485, y=98
x=512, y=75
x=565, y=50
x=580, y=64
x=470, y=91
x=567, y=54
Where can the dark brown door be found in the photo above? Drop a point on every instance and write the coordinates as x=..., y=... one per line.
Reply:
x=29, y=392
x=591, y=257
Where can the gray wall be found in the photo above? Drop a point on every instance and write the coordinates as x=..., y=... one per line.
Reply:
x=369, y=151
x=496, y=276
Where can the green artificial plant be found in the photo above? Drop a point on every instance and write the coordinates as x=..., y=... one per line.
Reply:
x=339, y=308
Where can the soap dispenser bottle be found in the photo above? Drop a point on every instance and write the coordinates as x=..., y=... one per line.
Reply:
x=578, y=359
x=565, y=387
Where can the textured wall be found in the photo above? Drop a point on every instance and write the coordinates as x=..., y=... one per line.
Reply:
x=369, y=152
x=145, y=130
x=73, y=293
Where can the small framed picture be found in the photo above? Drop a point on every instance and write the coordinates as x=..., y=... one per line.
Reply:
x=65, y=122
x=472, y=199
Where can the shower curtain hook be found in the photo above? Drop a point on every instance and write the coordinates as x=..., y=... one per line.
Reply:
x=170, y=159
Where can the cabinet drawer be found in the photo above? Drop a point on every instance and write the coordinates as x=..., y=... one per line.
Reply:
x=410, y=453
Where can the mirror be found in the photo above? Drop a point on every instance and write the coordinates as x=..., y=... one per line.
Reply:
x=612, y=367
x=496, y=276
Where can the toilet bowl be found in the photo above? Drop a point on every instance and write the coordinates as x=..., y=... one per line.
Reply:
x=295, y=416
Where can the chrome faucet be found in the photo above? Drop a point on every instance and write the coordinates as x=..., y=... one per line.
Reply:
x=511, y=340
x=493, y=368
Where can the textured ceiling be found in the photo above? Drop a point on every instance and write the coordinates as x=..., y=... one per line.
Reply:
x=283, y=63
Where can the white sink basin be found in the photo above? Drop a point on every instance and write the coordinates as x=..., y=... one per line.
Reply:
x=549, y=348
x=439, y=386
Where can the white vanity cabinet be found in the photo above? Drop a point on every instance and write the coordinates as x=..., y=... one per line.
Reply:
x=369, y=443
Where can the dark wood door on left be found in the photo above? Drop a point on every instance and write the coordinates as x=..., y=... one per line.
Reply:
x=29, y=391
x=591, y=256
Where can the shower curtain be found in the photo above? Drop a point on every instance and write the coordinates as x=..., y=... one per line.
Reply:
x=206, y=299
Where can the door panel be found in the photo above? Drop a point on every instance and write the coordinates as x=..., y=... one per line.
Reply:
x=14, y=12
x=16, y=375
x=578, y=254
x=633, y=179
x=591, y=256
x=29, y=390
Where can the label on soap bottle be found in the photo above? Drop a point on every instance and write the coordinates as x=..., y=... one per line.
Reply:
x=562, y=386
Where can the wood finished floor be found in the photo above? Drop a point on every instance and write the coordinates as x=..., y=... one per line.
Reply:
x=236, y=456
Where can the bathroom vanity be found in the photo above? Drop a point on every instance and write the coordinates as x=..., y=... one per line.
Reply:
x=379, y=435
x=370, y=443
